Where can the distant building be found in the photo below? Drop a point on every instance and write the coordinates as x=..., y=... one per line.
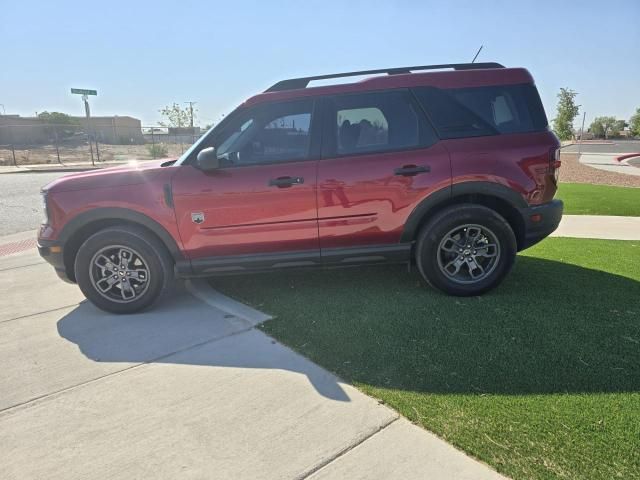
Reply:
x=115, y=129
x=18, y=130
x=587, y=135
x=184, y=130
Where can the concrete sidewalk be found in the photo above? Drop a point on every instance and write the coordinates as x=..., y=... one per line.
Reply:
x=599, y=226
x=189, y=389
x=608, y=162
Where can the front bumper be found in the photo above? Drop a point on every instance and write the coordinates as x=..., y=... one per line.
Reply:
x=52, y=252
x=540, y=221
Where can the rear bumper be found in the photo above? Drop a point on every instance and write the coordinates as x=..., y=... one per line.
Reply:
x=52, y=253
x=540, y=221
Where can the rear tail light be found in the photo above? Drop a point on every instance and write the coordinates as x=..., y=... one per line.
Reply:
x=554, y=163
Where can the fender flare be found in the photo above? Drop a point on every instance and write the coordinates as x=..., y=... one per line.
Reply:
x=445, y=195
x=117, y=213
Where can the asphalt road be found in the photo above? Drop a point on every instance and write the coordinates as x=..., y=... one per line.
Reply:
x=619, y=146
x=20, y=205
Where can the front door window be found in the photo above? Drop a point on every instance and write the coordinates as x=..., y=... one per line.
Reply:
x=268, y=134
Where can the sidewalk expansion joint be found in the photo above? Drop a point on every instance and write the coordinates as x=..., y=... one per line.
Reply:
x=7, y=320
x=22, y=266
x=346, y=450
x=51, y=395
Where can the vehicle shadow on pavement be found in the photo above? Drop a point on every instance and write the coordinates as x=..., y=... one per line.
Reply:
x=183, y=330
x=552, y=327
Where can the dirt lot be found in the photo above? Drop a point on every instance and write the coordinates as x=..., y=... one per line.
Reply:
x=47, y=154
x=572, y=171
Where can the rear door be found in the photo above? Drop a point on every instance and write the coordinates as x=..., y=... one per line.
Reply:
x=380, y=159
x=263, y=198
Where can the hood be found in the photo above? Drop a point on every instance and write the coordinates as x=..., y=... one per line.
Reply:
x=133, y=173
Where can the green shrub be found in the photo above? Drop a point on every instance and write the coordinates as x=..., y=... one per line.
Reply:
x=158, y=150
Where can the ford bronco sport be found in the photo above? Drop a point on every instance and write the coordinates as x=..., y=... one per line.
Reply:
x=454, y=170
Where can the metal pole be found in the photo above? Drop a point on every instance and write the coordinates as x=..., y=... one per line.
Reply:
x=191, y=104
x=95, y=139
x=55, y=131
x=87, y=113
x=584, y=114
x=91, y=150
x=13, y=148
x=153, y=144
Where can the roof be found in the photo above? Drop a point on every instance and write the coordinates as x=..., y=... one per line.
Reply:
x=441, y=79
x=106, y=117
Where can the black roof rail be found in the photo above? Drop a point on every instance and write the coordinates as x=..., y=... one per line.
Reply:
x=295, y=83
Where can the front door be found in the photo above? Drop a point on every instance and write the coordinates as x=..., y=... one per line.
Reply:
x=261, y=203
x=380, y=159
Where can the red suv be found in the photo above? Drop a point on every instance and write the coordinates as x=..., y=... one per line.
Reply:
x=454, y=170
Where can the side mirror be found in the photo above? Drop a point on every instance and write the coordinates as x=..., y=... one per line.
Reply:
x=207, y=159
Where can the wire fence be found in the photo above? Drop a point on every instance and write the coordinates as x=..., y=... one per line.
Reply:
x=41, y=144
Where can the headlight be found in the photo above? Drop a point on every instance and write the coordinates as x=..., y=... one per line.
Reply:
x=45, y=207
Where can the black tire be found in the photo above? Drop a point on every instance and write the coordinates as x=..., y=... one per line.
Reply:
x=149, y=255
x=438, y=253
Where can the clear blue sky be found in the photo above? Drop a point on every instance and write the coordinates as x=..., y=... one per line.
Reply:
x=142, y=55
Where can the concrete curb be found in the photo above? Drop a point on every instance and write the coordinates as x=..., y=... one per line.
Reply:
x=205, y=292
x=57, y=169
x=51, y=170
x=627, y=156
x=76, y=167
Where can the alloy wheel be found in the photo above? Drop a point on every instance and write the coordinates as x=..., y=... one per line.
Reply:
x=119, y=273
x=468, y=253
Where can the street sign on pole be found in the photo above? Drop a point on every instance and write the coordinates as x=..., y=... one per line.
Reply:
x=85, y=99
x=82, y=91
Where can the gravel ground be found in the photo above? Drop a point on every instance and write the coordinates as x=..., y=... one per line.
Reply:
x=572, y=171
x=46, y=154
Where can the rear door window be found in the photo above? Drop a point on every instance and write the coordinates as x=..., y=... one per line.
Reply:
x=375, y=122
x=481, y=111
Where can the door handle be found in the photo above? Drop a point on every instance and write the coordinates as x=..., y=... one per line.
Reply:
x=285, y=182
x=412, y=170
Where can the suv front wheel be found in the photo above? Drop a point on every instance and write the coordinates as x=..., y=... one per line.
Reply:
x=122, y=269
x=466, y=250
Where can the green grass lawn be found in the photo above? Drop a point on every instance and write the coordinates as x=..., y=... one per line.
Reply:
x=584, y=199
x=540, y=378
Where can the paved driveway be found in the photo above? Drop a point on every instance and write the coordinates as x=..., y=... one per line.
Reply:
x=186, y=390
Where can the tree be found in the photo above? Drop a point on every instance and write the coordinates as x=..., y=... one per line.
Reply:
x=567, y=112
x=634, y=123
x=57, y=118
x=618, y=126
x=177, y=116
x=59, y=124
x=604, y=126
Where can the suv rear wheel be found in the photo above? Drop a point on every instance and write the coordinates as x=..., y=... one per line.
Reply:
x=466, y=250
x=122, y=269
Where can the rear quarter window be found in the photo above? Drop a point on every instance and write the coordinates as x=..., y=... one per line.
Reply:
x=482, y=111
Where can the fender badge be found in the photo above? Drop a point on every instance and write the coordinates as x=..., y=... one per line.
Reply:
x=197, y=217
